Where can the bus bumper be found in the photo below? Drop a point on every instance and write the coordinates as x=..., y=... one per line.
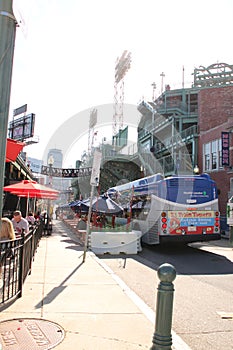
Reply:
x=189, y=238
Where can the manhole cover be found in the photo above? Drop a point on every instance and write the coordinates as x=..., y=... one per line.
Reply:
x=30, y=334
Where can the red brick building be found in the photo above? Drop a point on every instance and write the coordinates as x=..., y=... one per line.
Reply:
x=215, y=115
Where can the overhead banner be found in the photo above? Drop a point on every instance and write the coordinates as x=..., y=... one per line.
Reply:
x=60, y=172
x=225, y=148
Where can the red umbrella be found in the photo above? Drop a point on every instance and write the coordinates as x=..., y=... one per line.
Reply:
x=31, y=189
x=37, y=195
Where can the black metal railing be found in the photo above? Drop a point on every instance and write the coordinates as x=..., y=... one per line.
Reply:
x=16, y=258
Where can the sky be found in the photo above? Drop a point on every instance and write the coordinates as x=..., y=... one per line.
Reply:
x=65, y=56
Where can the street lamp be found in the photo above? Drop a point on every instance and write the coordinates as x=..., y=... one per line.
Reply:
x=196, y=170
x=50, y=164
x=153, y=94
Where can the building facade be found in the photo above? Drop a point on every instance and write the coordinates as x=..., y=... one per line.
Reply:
x=183, y=129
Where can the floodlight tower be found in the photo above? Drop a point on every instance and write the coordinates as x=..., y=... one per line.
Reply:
x=92, y=123
x=121, y=68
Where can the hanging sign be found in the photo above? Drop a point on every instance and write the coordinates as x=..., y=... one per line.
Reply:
x=225, y=148
x=60, y=172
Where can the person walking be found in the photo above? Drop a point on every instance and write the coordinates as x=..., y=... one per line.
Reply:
x=19, y=223
x=47, y=223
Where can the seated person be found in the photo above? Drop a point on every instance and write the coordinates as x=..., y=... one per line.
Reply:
x=7, y=230
x=19, y=223
x=30, y=218
x=82, y=225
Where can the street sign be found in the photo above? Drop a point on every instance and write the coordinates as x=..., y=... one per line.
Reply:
x=20, y=110
x=96, y=168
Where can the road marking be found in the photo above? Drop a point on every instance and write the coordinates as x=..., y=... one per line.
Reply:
x=177, y=342
x=225, y=315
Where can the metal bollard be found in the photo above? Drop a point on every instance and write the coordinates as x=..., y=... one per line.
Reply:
x=162, y=338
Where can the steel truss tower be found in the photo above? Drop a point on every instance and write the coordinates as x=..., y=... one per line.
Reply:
x=122, y=66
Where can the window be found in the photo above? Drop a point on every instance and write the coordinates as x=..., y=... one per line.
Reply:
x=214, y=146
x=207, y=156
x=212, y=155
x=220, y=152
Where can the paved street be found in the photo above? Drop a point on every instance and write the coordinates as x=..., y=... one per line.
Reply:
x=203, y=297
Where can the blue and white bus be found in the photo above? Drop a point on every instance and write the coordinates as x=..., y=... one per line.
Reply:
x=180, y=208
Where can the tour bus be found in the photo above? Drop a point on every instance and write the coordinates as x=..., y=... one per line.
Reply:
x=179, y=208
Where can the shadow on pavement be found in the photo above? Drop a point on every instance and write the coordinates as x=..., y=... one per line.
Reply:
x=188, y=260
x=57, y=290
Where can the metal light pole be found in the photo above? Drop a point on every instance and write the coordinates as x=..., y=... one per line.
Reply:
x=153, y=94
x=94, y=182
x=7, y=44
x=50, y=164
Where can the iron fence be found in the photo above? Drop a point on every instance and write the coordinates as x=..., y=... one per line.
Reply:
x=16, y=258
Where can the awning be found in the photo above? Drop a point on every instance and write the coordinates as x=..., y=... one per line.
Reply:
x=13, y=148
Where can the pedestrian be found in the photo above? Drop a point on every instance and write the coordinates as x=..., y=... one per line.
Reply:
x=57, y=213
x=19, y=223
x=103, y=220
x=7, y=230
x=47, y=223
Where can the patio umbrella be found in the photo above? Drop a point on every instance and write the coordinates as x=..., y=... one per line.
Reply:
x=31, y=189
x=106, y=205
x=81, y=206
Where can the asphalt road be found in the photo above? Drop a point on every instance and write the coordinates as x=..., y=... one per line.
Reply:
x=203, y=299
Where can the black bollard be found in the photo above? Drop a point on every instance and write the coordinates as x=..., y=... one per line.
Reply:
x=162, y=338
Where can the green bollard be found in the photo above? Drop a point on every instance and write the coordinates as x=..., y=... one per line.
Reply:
x=162, y=338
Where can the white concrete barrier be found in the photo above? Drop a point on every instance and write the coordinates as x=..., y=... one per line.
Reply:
x=115, y=242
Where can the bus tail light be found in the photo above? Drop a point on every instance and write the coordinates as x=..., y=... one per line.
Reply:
x=164, y=221
x=217, y=221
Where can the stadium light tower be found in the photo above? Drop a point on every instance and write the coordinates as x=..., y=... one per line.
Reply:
x=122, y=66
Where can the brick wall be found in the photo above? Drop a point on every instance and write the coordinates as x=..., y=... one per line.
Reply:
x=215, y=114
x=215, y=106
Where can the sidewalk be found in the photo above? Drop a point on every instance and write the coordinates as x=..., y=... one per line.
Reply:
x=80, y=305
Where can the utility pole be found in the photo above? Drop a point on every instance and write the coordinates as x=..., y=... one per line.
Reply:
x=7, y=44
